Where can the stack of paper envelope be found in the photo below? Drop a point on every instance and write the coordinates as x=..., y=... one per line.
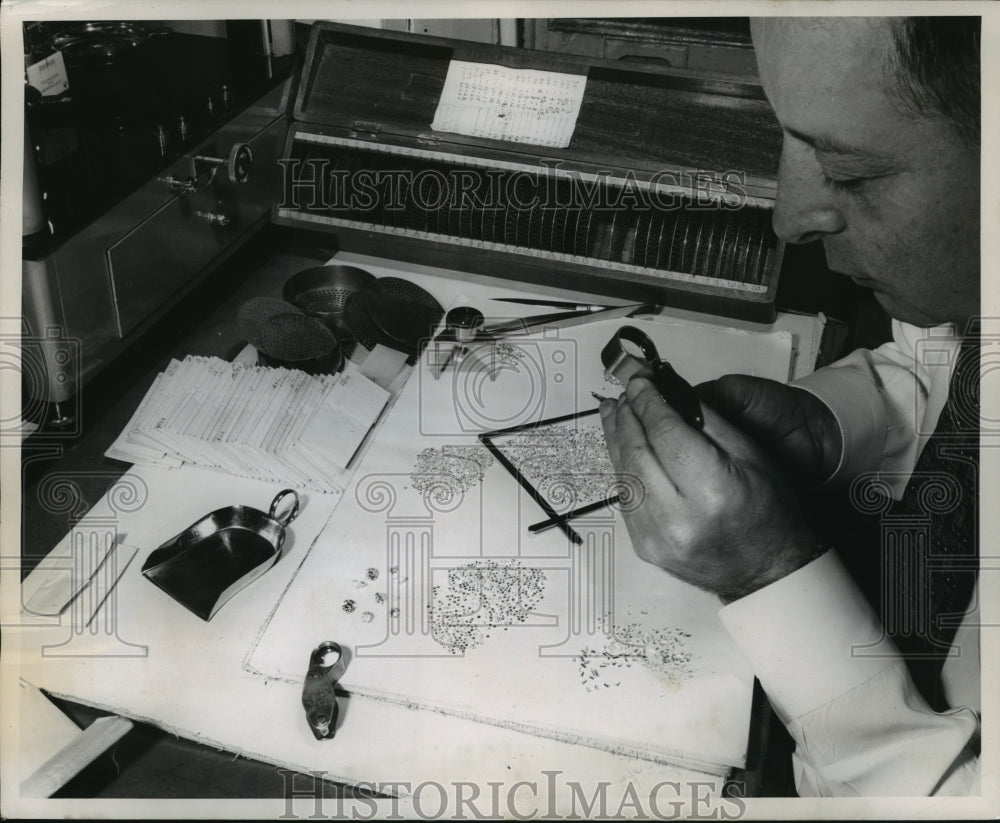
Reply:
x=253, y=421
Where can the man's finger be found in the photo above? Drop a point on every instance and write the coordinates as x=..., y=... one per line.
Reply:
x=725, y=437
x=607, y=410
x=684, y=452
x=630, y=451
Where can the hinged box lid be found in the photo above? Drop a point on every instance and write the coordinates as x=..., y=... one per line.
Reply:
x=634, y=119
x=653, y=185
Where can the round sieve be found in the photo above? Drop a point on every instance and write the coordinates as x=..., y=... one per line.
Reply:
x=322, y=292
x=297, y=341
x=363, y=328
x=393, y=312
x=407, y=292
x=409, y=324
x=255, y=312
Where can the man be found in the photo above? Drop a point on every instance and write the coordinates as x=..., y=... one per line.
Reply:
x=880, y=161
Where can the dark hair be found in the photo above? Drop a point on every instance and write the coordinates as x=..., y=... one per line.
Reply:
x=936, y=69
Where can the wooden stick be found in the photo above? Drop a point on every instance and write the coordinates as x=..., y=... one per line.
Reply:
x=71, y=759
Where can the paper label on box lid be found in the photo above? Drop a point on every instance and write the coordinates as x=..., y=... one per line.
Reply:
x=501, y=103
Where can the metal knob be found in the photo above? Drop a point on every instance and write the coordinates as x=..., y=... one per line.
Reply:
x=239, y=163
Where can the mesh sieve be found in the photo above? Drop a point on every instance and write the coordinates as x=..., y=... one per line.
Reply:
x=255, y=312
x=294, y=337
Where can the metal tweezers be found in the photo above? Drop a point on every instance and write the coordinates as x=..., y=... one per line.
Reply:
x=561, y=320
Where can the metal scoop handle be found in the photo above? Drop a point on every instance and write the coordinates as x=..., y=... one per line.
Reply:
x=288, y=516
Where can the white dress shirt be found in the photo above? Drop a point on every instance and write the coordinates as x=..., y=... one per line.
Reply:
x=859, y=724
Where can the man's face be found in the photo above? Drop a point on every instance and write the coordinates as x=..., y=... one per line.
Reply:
x=894, y=197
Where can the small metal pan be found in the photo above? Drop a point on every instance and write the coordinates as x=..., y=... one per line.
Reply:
x=407, y=323
x=322, y=292
x=297, y=341
x=363, y=328
x=393, y=312
x=213, y=559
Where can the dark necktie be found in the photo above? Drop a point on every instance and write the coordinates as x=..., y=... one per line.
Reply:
x=916, y=559
x=942, y=496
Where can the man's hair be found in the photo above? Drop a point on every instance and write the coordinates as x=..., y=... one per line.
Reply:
x=936, y=69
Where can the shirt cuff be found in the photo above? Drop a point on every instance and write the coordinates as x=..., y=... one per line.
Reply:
x=859, y=409
x=810, y=636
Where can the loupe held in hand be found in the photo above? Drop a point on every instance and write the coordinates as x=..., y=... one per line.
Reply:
x=630, y=351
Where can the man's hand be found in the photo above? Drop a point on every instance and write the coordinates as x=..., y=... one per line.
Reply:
x=795, y=428
x=715, y=510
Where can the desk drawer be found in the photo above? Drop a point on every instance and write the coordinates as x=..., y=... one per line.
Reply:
x=158, y=257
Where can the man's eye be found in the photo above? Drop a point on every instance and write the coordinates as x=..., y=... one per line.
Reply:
x=843, y=183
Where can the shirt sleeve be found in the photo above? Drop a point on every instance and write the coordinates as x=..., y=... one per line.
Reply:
x=842, y=690
x=880, y=399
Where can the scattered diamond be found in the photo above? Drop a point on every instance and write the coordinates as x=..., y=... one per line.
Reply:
x=480, y=597
x=659, y=650
x=449, y=470
x=570, y=467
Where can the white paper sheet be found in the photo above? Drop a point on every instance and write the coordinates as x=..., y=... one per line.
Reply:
x=253, y=421
x=143, y=509
x=560, y=669
x=501, y=103
x=156, y=638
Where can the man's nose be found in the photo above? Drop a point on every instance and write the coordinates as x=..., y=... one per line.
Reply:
x=805, y=208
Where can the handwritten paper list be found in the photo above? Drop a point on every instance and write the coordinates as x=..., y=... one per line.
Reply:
x=500, y=103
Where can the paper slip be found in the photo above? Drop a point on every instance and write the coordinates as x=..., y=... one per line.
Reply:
x=49, y=75
x=253, y=421
x=85, y=569
x=520, y=105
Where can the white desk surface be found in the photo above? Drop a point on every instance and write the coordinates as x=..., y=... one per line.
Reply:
x=132, y=660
